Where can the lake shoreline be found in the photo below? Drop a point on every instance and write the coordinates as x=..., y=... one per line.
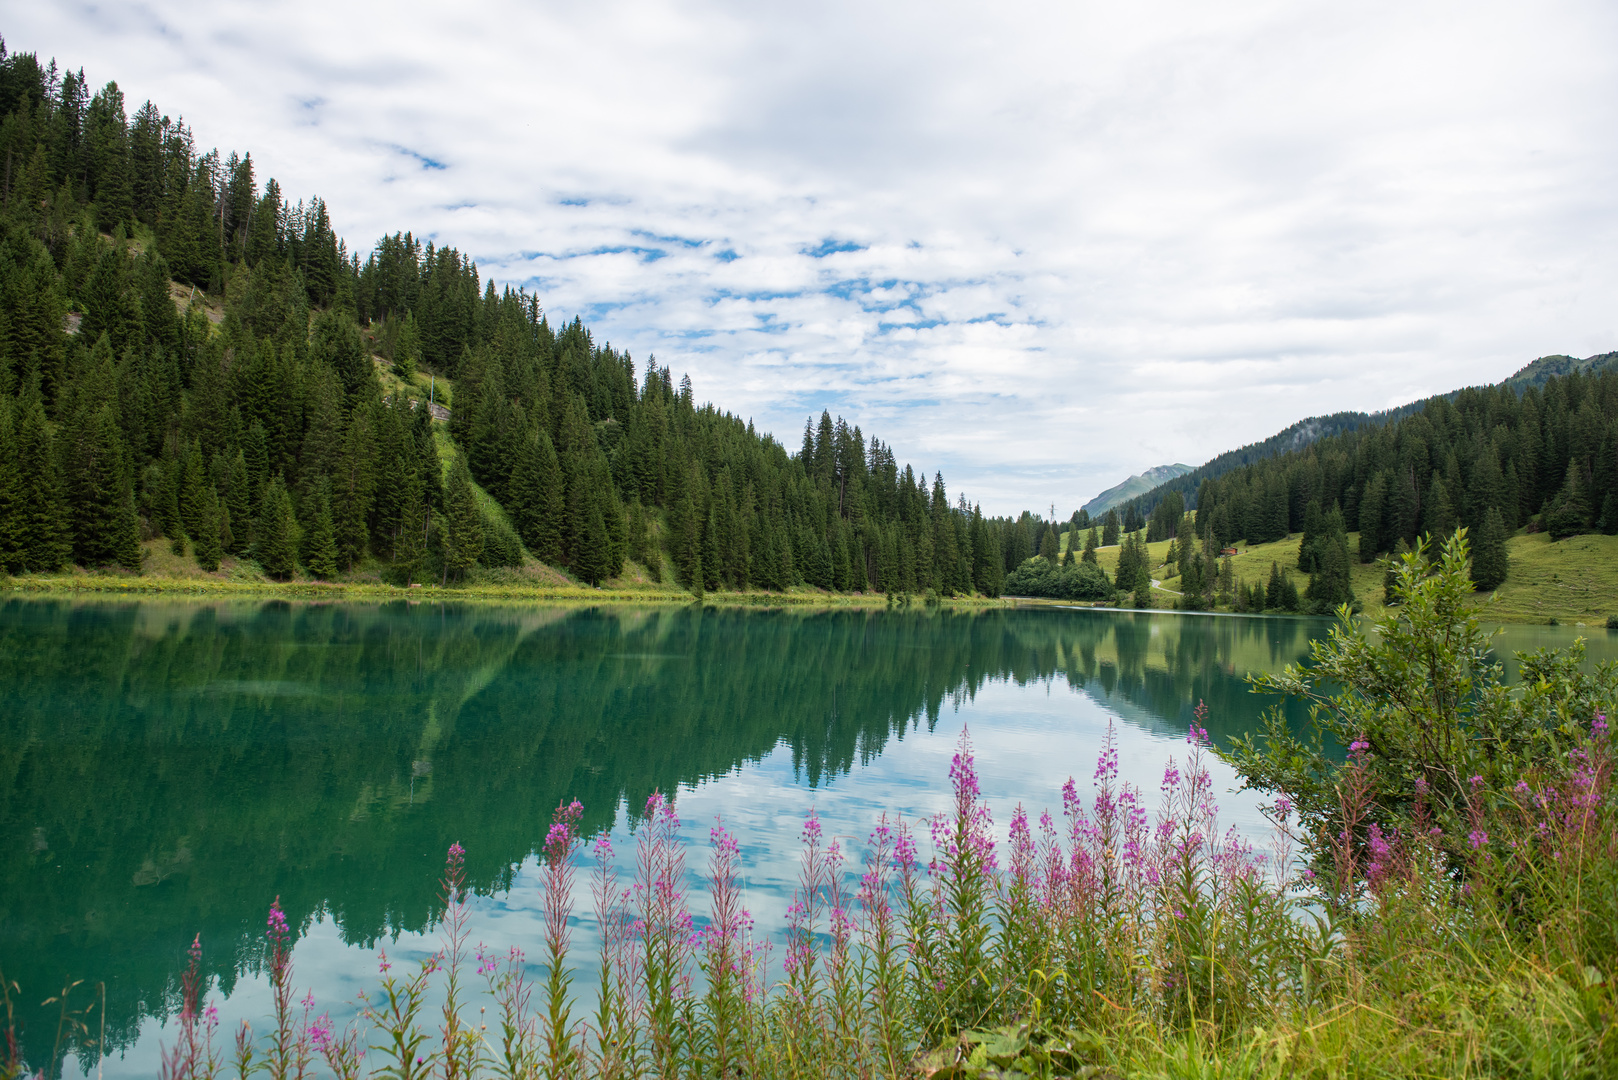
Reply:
x=96, y=585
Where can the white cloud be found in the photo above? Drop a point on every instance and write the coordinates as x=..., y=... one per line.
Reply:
x=1039, y=246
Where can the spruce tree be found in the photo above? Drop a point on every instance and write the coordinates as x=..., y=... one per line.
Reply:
x=464, y=542
x=1568, y=512
x=1329, y=585
x=320, y=551
x=194, y=483
x=238, y=507
x=1048, y=545
x=410, y=550
x=1091, y=541
x=206, y=542
x=275, y=543
x=95, y=486
x=1313, y=525
x=43, y=537
x=127, y=550
x=1273, y=592
x=1437, y=510
x=1371, y=512
x=1109, y=528
x=1490, y=563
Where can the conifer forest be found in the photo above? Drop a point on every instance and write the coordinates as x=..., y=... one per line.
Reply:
x=187, y=354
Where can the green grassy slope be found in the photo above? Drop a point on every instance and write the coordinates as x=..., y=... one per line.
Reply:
x=1573, y=580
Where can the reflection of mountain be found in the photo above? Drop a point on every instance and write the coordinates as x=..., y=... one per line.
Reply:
x=168, y=768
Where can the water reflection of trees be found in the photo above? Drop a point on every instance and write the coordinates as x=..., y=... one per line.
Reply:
x=168, y=768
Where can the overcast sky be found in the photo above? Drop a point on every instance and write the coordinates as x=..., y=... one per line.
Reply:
x=1036, y=246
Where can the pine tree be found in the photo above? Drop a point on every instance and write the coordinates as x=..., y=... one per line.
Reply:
x=95, y=486
x=1568, y=512
x=127, y=551
x=238, y=507
x=591, y=562
x=1329, y=585
x=1048, y=545
x=1109, y=528
x=1091, y=541
x=410, y=551
x=1313, y=524
x=349, y=495
x=464, y=542
x=1438, y=510
x=320, y=550
x=275, y=536
x=42, y=530
x=1371, y=512
x=194, y=483
x=1490, y=563
x=206, y=542
x=1273, y=592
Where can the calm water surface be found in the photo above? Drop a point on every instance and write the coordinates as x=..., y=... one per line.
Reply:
x=166, y=769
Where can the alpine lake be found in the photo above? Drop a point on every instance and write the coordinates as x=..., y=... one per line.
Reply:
x=168, y=768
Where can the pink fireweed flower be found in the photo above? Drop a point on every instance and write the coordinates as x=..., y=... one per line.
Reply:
x=904, y=849
x=277, y=922
x=1359, y=746
x=320, y=1033
x=1381, y=855
x=1478, y=838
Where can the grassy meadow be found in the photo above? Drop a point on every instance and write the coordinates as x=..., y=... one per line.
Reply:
x=1574, y=581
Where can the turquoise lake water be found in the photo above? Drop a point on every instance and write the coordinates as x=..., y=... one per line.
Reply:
x=171, y=767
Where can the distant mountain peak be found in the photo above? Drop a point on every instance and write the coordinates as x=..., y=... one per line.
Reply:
x=1138, y=484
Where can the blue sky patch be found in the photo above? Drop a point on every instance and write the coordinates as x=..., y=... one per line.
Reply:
x=831, y=246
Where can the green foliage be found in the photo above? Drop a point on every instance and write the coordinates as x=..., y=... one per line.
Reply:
x=275, y=533
x=1490, y=563
x=1076, y=581
x=319, y=539
x=1425, y=709
x=463, y=544
x=207, y=542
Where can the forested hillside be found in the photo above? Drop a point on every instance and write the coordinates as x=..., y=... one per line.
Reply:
x=187, y=355
x=1547, y=459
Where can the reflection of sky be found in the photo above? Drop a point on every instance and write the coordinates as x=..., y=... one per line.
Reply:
x=1028, y=740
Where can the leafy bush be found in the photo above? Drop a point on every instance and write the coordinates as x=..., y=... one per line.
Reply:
x=1076, y=581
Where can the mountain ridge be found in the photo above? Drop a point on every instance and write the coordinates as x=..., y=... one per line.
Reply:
x=1135, y=485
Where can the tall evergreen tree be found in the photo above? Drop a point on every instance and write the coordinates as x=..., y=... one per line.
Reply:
x=410, y=551
x=275, y=534
x=206, y=541
x=43, y=539
x=464, y=542
x=1490, y=562
x=320, y=552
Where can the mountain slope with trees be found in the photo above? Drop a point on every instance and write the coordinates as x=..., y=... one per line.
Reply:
x=271, y=417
